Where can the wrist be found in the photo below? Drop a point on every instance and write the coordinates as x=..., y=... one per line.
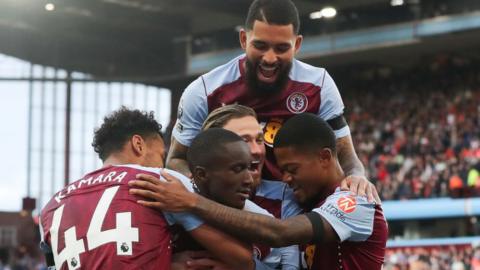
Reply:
x=193, y=201
x=356, y=174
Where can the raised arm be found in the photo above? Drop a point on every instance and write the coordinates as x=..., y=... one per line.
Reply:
x=177, y=158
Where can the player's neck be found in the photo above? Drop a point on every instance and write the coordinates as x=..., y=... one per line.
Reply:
x=338, y=174
x=119, y=159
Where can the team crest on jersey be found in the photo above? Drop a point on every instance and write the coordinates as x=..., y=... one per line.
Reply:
x=347, y=204
x=297, y=102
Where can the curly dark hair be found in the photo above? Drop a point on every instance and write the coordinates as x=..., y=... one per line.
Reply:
x=120, y=126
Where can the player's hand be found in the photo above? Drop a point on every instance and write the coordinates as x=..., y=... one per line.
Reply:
x=170, y=195
x=206, y=263
x=181, y=260
x=359, y=185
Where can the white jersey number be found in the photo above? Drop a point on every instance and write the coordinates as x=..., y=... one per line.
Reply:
x=123, y=234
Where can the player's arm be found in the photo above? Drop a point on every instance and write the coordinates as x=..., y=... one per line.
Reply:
x=234, y=253
x=177, y=158
x=355, y=179
x=332, y=109
x=260, y=228
x=348, y=158
x=192, y=111
x=173, y=196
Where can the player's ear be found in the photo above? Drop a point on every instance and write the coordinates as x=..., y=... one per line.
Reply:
x=200, y=174
x=138, y=145
x=325, y=155
x=298, y=42
x=242, y=35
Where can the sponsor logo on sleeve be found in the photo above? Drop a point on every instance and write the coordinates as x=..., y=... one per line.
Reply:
x=180, y=110
x=332, y=210
x=179, y=127
x=347, y=204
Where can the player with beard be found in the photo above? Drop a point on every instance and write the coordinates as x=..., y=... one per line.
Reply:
x=345, y=231
x=271, y=81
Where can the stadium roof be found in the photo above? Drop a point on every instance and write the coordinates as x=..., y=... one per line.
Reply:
x=119, y=37
x=129, y=38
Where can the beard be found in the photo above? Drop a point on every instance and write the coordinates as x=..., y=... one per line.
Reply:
x=260, y=88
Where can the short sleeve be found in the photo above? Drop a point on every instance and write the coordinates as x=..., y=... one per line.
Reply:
x=332, y=104
x=192, y=112
x=290, y=207
x=350, y=216
x=254, y=208
x=187, y=220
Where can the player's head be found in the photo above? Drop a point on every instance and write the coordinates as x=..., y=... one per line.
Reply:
x=130, y=136
x=270, y=40
x=305, y=149
x=219, y=161
x=241, y=120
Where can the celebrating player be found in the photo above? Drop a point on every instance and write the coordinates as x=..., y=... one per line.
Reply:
x=267, y=194
x=220, y=161
x=277, y=86
x=94, y=223
x=348, y=232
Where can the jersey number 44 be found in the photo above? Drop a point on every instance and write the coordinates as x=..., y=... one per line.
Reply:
x=123, y=234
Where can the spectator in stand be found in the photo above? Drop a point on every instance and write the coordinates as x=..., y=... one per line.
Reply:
x=431, y=258
x=418, y=132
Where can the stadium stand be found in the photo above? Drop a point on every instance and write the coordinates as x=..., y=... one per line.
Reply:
x=455, y=257
x=418, y=130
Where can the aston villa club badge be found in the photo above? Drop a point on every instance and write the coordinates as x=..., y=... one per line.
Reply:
x=297, y=103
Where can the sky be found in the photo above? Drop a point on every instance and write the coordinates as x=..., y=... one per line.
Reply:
x=90, y=103
x=13, y=144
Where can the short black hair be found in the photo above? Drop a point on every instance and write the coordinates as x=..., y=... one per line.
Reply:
x=207, y=145
x=279, y=12
x=306, y=132
x=119, y=126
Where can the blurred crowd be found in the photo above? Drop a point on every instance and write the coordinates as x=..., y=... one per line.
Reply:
x=418, y=131
x=20, y=259
x=433, y=258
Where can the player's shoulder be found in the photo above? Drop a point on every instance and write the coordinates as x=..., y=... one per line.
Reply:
x=303, y=72
x=156, y=171
x=341, y=196
x=135, y=168
x=138, y=168
x=219, y=76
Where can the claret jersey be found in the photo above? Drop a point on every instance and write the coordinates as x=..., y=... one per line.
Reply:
x=362, y=231
x=309, y=89
x=94, y=223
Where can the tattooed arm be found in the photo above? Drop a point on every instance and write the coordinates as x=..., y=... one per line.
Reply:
x=260, y=228
x=177, y=158
x=355, y=179
x=172, y=196
x=348, y=158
